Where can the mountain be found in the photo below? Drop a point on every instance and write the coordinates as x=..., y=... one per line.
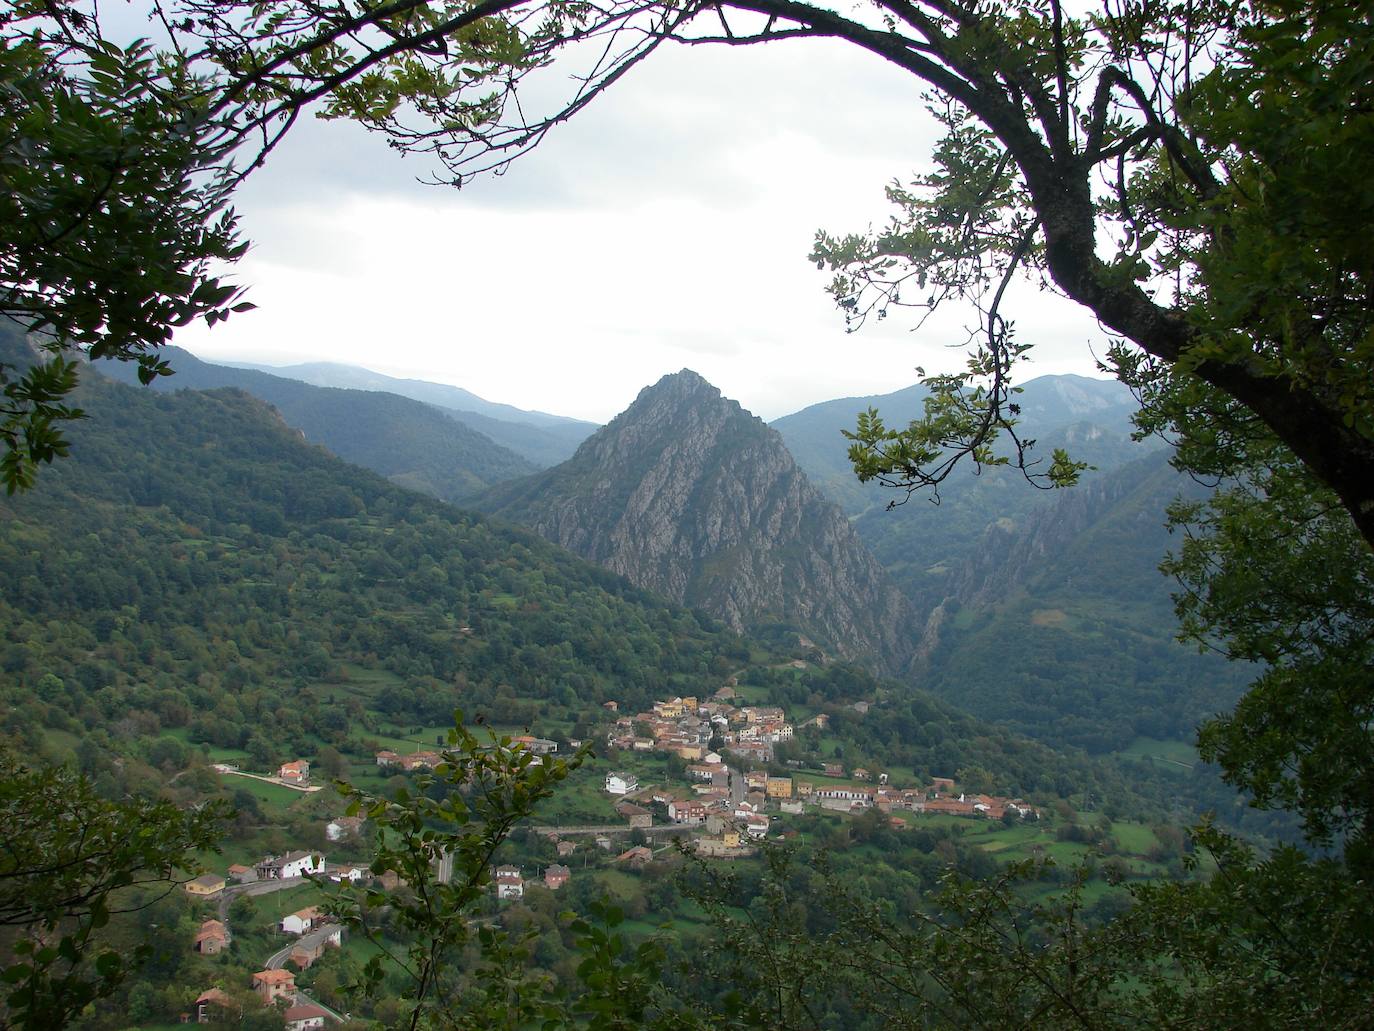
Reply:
x=692, y=497
x=920, y=542
x=1043, y=609
x=1062, y=625
x=539, y=437
x=410, y=443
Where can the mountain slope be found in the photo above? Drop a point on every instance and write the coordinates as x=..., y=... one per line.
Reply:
x=1063, y=626
x=919, y=542
x=409, y=443
x=692, y=497
x=541, y=438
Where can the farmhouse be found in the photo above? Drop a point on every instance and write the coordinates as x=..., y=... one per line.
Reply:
x=618, y=783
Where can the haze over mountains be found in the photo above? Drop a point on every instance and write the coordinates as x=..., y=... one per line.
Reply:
x=541, y=438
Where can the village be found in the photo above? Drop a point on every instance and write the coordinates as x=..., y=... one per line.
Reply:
x=730, y=795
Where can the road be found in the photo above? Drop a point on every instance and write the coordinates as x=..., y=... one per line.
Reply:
x=254, y=888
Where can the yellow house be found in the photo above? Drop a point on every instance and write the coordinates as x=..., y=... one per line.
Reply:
x=779, y=787
x=205, y=886
x=730, y=838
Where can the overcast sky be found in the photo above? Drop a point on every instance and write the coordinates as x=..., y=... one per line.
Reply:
x=665, y=227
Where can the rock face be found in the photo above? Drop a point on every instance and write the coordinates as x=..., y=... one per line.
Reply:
x=689, y=496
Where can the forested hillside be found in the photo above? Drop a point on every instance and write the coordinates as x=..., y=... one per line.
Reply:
x=539, y=437
x=1043, y=609
x=410, y=443
x=197, y=574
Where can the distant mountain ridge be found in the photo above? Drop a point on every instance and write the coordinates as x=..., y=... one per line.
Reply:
x=410, y=443
x=541, y=438
x=919, y=542
x=690, y=496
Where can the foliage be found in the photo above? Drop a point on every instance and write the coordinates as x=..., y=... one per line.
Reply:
x=1201, y=149
x=440, y=841
x=71, y=859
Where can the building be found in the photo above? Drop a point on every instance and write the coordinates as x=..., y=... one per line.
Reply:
x=211, y=938
x=556, y=876
x=312, y=946
x=206, y=886
x=344, y=827
x=635, y=815
x=618, y=783
x=635, y=857
x=293, y=864
x=537, y=745
x=214, y=1005
x=304, y=1017
x=272, y=985
x=778, y=787
x=509, y=883
x=301, y=920
x=241, y=874
x=297, y=772
x=690, y=812
x=566, y=848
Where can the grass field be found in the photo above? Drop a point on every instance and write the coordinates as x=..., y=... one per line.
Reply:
x=1176, y=754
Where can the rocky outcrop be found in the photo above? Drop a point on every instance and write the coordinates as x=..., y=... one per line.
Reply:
x=689, y=496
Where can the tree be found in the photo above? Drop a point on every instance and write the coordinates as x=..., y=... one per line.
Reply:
x=69, y=859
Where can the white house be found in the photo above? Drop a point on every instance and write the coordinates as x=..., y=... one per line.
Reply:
x=293, y=864
x=350, y=873
x=621, y=783
x=344, y=827
x=301, y=920
x=305, y=1017
x=509, y=883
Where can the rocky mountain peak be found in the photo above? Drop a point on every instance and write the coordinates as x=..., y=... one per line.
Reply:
x=690, y=496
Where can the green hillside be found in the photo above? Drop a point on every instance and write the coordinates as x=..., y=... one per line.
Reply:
x=410, y=443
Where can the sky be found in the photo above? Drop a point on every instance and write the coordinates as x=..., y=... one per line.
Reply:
x=665, y=227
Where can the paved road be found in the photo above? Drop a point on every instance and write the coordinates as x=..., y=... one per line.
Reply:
x=311, y=938
x=254, y=888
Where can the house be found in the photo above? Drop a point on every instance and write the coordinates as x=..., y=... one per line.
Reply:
x=636, y=815
x=689, y=813
x=240, y=874
x=386, y=757
x=344, y=827
x=350, y=872
x=603, y=842
x=206, y=886
x=272, y=985
x=834, y=769
x=756, y=826
x=942, y=785
x=756, y=780
x=537, y=745
x=312, y=946
x=301, y=920
x=611, y=706
x=297, y=772
x=861, y=708
x=862, y=774
x=566, y=848
x=211, y=938
x=293, y=864
x=804, y=788
x=304, y=1017
x=618, y=783
x=213, y=1006
x=556, y=876
x=778, y=787
x=635, y=857
x=820, y=721
x=509, y=883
